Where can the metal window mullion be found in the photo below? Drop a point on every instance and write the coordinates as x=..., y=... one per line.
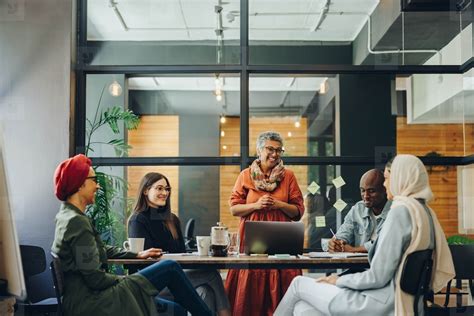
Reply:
x=79, y=122
x=244, y=84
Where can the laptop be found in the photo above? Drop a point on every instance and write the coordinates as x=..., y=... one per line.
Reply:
x=273, y=237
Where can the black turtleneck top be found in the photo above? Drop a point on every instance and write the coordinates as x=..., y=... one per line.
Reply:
x=151, y=225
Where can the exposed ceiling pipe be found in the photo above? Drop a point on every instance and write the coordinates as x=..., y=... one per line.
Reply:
x=395, y=51
x=114, y=7
x=322, y=16
x=184, y=18
x=219, y=31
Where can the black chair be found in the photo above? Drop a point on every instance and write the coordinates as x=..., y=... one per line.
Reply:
x=463, y=259
x=58, y=280
x=33, y=260
x=189, y=239
x=416, y=277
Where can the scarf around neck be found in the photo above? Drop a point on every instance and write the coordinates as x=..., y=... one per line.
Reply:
x=266, y=184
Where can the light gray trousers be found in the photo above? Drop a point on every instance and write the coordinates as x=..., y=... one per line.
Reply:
x=307, y=297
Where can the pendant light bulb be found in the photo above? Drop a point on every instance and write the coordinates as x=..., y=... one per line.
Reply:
x=115, y=89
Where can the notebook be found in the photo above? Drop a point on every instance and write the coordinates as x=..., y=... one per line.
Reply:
x=317, y=254
x=273, y=237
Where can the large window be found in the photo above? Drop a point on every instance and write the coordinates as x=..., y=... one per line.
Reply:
x=348, y=85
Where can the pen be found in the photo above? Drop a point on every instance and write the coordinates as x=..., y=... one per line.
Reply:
x=334, y=237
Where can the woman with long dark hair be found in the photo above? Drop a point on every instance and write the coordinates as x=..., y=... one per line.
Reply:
x=153, y=220
x=88, y=288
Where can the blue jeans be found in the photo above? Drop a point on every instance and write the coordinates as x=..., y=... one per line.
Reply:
x=169, y=274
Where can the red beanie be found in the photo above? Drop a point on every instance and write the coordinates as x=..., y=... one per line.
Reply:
x=70, y=175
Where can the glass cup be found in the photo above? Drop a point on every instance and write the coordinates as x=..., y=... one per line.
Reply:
x=234, y=244
x=325, y=243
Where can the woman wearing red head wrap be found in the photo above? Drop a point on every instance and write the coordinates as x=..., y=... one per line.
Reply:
x=89, y=290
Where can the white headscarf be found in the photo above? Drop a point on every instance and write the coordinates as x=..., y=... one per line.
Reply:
x=409, y=181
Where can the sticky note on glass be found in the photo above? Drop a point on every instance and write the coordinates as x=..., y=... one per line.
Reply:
x=338, y=182
x=320, y=221
x=313, y=187
x=340, y=205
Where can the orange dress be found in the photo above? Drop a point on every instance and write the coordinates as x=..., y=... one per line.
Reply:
x=258, y=292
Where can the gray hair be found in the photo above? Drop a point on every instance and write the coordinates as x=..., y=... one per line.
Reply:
x=269, y=135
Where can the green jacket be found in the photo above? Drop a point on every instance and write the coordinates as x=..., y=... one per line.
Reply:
x=88, y=289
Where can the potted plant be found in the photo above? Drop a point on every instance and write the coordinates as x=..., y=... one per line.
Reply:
x=113, y=188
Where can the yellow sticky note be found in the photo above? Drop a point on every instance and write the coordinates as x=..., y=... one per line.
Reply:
x=340, y=205
x=320, y=221
x=338, y=182
x=313, y=187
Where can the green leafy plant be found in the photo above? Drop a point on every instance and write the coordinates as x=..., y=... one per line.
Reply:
x=460, y=240
x=113, y=188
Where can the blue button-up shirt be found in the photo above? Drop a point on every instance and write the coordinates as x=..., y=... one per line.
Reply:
x=359, y=225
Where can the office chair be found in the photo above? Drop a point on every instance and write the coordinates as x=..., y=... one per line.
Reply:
x=33, y=260
x=58, y=280
x=189, y=239
x=463, y=259
x=416, y=277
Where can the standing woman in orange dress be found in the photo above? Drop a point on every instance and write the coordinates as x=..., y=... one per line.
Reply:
x=266, y=191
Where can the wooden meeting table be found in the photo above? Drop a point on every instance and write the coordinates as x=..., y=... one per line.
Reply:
x=242, y=261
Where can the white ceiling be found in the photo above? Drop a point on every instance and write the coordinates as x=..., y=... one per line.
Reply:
x=227, y=83
x=192, y=20
x=185, y=95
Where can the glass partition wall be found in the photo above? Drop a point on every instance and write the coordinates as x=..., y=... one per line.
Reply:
x=347, y=86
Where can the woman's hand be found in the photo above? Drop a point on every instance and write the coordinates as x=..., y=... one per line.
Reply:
x=329, y=279
x=150, y=253
x=264, y=201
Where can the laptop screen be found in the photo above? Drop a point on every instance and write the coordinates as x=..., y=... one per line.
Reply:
x=273, y=237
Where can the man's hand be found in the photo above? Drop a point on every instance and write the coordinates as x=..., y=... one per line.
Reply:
x=150, y=253
x=336, y=245
x=329, y=279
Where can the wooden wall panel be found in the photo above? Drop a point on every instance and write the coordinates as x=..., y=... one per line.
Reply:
x=296, y=145
x=447, y=140
x=156, y=136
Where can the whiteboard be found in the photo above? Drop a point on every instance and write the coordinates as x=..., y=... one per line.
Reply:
x=11, y=268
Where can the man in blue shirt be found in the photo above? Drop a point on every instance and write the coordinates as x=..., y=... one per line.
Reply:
x=365, y=219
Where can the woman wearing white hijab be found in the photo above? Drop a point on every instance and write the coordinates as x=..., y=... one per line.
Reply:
x=410, y=226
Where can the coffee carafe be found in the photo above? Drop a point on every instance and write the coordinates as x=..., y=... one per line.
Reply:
x=219, y=240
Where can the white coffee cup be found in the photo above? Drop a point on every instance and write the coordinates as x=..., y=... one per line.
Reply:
x=203, y=245
x=134, y=244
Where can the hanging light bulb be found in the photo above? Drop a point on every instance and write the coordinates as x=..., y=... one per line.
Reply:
x=222, y=133
x=290, y=134
x=115, y=89
x=218, y=94
x=222, y=119
x=297, y=123
x=224, y=147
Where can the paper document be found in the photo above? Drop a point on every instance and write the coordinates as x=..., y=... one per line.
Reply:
x=317, y=254
x=181, y=254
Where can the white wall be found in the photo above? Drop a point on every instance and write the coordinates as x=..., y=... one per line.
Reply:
x=432, y=90
x=35, y=59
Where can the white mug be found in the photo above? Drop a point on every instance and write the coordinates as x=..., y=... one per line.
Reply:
x=203, y=245
x=134, y=244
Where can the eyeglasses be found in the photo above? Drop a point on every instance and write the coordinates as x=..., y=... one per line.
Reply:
x=272, y=150
x=161, y=188
x=94, y=178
